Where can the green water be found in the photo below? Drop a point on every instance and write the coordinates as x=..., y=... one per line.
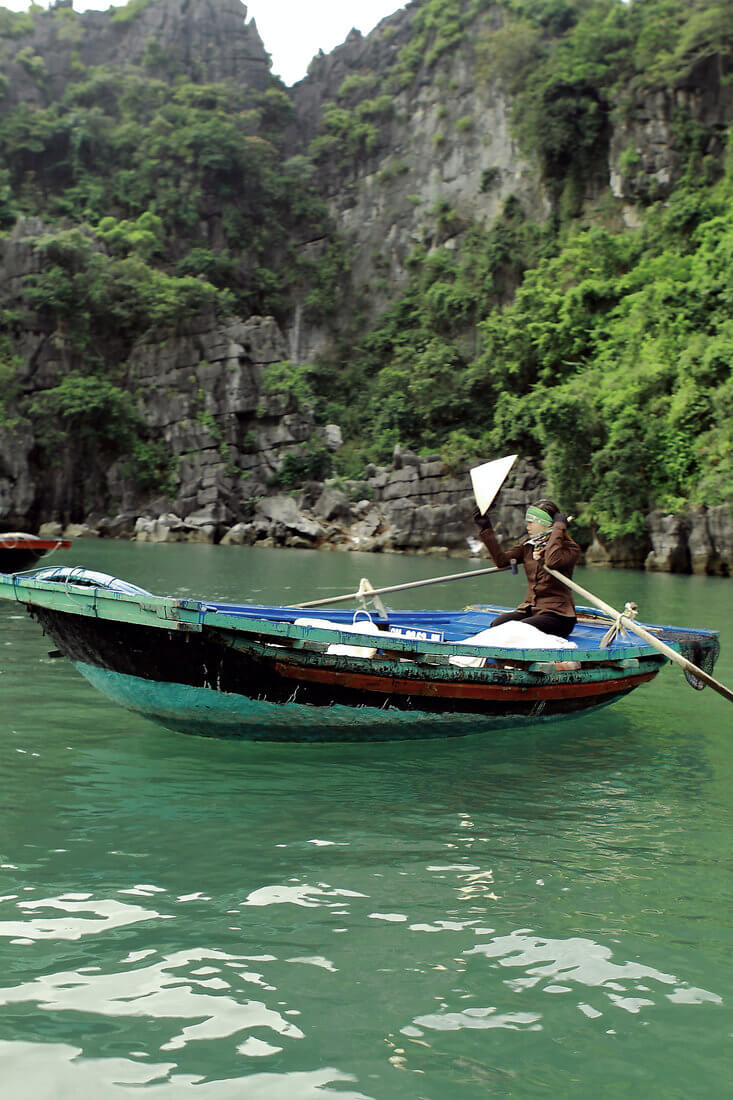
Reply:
x=546, y=913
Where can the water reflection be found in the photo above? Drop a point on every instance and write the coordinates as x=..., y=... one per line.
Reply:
x=166, y=990
x=76, y=923
x=583, y=962
x=50, y=1070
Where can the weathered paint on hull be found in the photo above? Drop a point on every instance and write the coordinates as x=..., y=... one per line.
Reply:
x=571, y=696
x=223, y=683
x=209, y=712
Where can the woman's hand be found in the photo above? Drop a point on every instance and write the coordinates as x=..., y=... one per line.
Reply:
x=481, y=519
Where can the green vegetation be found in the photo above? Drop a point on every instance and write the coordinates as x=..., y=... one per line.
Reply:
x=34, y=65
x=17, y=24
x=312, y=462
x=438, y=26
x=86, y=423
x=604, y=352
x=350, y=131
x=205, y=160
x=161, y=201
x=129, y=11
x=570, y=65
x=605, y=355
x=104, y=302
x=357, y=82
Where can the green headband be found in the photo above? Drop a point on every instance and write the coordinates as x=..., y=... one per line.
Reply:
x=538, y=515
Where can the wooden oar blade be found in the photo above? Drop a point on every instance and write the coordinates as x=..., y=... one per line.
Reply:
x=488, y=479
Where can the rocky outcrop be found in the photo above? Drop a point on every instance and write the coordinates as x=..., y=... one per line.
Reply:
x=629, y=552
x=434, y=163
x=424, y=504
x=416, y=504
x=668, y=534
x=440, y=155
x=202, y=394
x=700, y=541
x=208, y=40
x=199, y=392
x=18, y=482
x=651, y=139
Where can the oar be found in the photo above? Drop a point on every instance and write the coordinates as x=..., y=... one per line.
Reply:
x=403, y=587
x=629, y=624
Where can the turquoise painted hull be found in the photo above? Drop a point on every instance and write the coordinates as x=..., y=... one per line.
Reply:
x=211, y=713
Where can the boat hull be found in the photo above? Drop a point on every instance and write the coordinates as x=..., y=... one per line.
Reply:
x=11, y=561
x=210, y=684
x=20, y=551
x=210, y=713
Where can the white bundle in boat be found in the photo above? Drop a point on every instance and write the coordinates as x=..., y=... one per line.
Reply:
x=513, y=635
x=360, y=627
x=516, y=635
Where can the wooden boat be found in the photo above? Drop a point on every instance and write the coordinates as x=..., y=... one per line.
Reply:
x=18, y=550
x=277, y=673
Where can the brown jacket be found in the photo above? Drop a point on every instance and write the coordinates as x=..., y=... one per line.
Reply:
x=544, y=593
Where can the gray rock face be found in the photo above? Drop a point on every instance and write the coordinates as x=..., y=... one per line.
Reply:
x=623, y=553
x=333, y=505
x=445, y=139
x=17, y=483
x=120, y=526
x=700, y=546
x=207, y=40
x=282, y=511
x=241, y=534
x=416, y=505
x=646, y=157
x=425, y=504
x=668, y=534
x=720, y=529
x=700, y=541
x=202, y=393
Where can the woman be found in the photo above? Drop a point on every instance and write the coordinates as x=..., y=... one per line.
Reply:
x=548, y=604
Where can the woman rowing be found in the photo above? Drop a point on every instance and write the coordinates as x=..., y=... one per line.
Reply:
x=548, y=604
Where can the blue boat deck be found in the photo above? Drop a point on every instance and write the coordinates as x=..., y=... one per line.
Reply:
x=455, y=626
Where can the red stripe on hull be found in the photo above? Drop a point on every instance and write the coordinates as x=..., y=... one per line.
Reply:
x=448, y=689
x=31, y=543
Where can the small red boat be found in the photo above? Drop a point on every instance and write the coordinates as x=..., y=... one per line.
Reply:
x=18, y=550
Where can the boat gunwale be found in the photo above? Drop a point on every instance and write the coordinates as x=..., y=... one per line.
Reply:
x=531, y=673
x=172, y=613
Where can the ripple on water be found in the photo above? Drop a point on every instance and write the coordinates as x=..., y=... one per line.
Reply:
x=83, y=916
x=554, y=966
x=50, y=1070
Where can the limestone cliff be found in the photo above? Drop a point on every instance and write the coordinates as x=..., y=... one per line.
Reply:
x=201, y=392
x=208, y=40
x=442, y=142
x=648, y=146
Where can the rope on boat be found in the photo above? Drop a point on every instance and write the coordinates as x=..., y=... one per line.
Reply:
x=367, y=593
x=629, y=613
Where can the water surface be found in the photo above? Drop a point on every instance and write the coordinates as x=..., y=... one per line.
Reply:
x=535, y=913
